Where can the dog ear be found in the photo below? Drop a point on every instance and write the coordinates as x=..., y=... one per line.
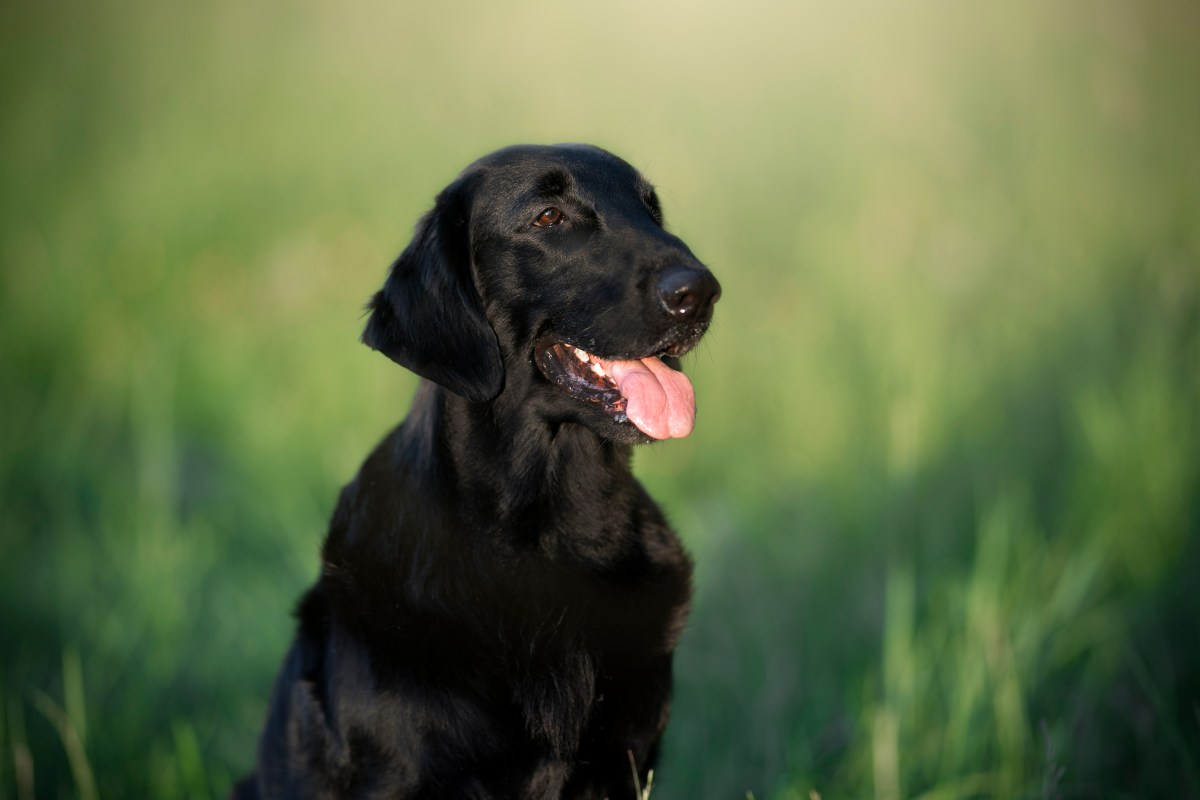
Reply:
x=429, y=317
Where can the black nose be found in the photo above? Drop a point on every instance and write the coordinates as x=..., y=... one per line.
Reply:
x=687, y=292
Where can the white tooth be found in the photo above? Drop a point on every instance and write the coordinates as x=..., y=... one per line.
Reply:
x=580, y=354
x=599, y=370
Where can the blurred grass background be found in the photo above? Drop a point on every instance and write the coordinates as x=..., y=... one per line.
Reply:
x=944, y=493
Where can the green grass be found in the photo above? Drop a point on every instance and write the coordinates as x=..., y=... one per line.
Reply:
x=944, y=491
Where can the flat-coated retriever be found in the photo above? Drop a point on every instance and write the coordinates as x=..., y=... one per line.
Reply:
x=499, y=597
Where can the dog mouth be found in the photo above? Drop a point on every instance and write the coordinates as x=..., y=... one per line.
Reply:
x=656, y=399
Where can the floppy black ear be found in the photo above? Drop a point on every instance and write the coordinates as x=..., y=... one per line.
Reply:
x=428, y=317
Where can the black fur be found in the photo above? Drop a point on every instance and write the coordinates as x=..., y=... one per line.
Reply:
x=499, y=598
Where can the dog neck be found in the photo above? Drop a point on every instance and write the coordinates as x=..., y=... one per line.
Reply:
x=560, y=465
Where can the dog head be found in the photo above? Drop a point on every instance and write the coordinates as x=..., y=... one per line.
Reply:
x=544, y=274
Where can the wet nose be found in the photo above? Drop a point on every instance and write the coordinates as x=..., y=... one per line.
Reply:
x=688, y=293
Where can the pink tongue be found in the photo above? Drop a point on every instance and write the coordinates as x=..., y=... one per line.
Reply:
x=659, y=400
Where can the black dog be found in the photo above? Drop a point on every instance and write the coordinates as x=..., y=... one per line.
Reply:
x=500, y=598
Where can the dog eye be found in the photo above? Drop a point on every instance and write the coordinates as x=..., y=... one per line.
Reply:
x=549, y=217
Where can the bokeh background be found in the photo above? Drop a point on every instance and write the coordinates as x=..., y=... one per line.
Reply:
x=944, y=492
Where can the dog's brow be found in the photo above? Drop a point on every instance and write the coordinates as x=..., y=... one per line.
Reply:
x=553, y=183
